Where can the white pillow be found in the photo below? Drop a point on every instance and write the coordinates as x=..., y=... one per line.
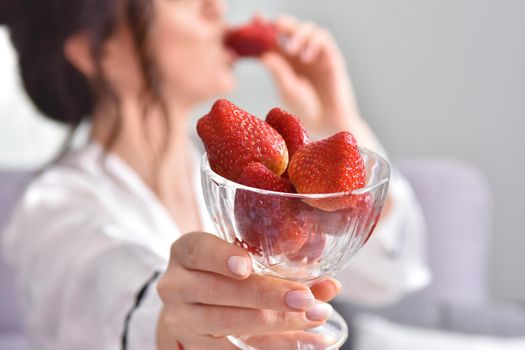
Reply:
x=374, y=333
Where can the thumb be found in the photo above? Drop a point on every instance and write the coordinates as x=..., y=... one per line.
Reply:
x=282, y=71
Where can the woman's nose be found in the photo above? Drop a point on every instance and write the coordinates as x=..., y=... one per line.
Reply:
x=215, y=9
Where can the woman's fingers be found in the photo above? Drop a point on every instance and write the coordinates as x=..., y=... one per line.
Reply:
x=326, y=290
x=203, y=342
x=282, y=71
x=289, y=27
x=175, y=332
x=210, y=288
x=299, y=39
x=207, y=342
x=303, y=40
x=297, y=93
x=290, y=341
x=314, y=46
x=206, y=278
x=219, y=321
x=256, y=292
x=205, y=252
x=287, y=24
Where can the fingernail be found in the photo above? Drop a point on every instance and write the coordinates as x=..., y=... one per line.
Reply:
x=319, y=312
x=338, y=285
x=291, y=46
x=307, y=55
x=283, y=41
x=299, y=299
x=320, y=342
x=238, y=265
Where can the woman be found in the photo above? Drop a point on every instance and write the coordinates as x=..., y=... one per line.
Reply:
x=90, y=240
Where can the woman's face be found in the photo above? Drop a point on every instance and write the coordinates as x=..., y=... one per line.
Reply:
x=185, y=45
x=186, y=41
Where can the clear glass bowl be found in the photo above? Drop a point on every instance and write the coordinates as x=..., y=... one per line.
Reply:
x=289, y=236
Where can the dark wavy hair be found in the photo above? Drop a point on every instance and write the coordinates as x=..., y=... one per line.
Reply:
x=39, y=30
x=6, y=11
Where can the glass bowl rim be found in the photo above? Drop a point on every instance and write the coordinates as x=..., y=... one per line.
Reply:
x=222, y=181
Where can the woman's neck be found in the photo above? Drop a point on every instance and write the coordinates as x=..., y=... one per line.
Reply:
x=159, y=151
x=146, y=142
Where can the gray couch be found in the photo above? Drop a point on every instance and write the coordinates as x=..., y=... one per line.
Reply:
x=457, y=206
x=11, y=335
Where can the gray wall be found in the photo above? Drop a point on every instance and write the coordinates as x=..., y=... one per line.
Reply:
x=27, y=140
x=434, y=78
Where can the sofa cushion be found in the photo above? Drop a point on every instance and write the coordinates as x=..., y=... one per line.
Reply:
x=378, y=334
x=457, y=206
x=11, y=186
x=13, y=341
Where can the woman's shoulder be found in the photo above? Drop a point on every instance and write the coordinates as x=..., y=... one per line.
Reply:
x=76, y=175
x=76, y=183
x=89, y=194
x=89, y=186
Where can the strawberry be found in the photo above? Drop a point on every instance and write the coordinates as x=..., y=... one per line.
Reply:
x=291, y=129
x=329, y=166
x=338, y=222
x=374, y=223
x=310, y=251
x=369, y=216
x=266, y=222
x=334, y=223
x=233, y=138
x=252, y=40
x=322, y=224
x=259, y=176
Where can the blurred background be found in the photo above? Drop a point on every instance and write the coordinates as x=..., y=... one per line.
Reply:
x=435, y=79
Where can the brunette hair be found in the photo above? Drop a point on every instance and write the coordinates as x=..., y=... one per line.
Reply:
x=6, y=11
x=39, y=29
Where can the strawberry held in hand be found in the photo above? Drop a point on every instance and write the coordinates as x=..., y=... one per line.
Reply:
x=254, y=39
x=233, y=138
x=267, y=223
x=329, y=166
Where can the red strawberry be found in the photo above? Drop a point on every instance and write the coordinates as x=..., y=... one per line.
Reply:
x=259, y=176
x=233, y=138
x=267, y=222
x=369, y=216
x=329, y=166
x=375, y=221
x=322, y=224
x=291, y=129
x=252, y=40
x=339, y=222
x=311, y=250
x=334, y=223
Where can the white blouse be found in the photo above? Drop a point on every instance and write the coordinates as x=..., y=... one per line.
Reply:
x=89, y=239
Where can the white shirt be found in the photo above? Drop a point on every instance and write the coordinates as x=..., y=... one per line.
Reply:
x=88, y=235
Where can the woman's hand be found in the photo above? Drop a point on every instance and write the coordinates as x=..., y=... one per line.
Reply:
x=312, y=78
x=208, y=293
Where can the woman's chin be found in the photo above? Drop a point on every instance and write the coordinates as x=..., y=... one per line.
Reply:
x=229, y=81
x=201, y=94
x=226, y=85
